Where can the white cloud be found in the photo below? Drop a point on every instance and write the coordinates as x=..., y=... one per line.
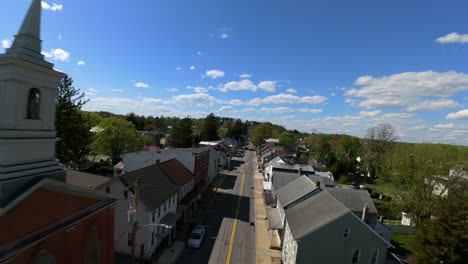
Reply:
x=214, y=74
x=172, y=90
x=91, y=92
x=369, y=113
x=245, y=76
x=398, y=115
x=444, y=126
x=54, y=7
x=60, y=36
x=462, y=114
x=434, y=105
x=291, y=90
x=200, y=53
x=277, y=110
x=192, y=67
x=178, y=68
x=200, y=89
x=409, y=90
x=81, y=63
x=6, y=43
x=421, y=127
x=141, y=85
x=225, y=108
x=193, y=99
x=117, y=90
x=287, y=99
x=57, y=54
x=309, y=110
x=237, y=86
x=453, y=38
x=269, y=86
x=225, y=36
x=332, y=94
x=236, y=102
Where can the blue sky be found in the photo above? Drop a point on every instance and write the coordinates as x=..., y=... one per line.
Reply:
x=327, y=66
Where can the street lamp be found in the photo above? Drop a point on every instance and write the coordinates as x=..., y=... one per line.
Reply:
x=230, y=156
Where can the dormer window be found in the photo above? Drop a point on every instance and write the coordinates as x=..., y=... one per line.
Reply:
x=34, y=103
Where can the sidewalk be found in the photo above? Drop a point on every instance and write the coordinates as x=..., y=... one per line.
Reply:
x=264, y=254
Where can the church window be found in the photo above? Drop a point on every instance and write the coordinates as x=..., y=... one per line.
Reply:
x=34, y=103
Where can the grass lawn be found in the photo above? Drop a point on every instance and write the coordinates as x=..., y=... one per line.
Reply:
x=402, y=244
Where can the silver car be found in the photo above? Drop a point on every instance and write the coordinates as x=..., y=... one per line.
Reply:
x=196, y=237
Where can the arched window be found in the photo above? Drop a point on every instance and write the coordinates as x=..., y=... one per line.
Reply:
x=92, y=246
x=44, y=257
x=34, y=103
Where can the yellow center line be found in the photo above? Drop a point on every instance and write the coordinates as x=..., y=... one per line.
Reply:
x=233, y=231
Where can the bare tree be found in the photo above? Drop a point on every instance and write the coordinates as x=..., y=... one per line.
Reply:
x=381, y=139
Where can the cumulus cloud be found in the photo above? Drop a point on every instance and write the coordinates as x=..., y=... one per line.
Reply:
x=172, y=90
x=246, y=84
x=225, y=108
x=117, y=90
x=178, y=68
x=287, y=99
x=200, y=89
x=141, y=85
x=54, y=7
x=57, y=54
x=81, y=63
x=192, y=67
x=245, y=76
x=398, y=115
x=277, y=110
x=193, y=99
x=225, y=35
x=462, y=114
x=6, y=43
x=309, y=110
x=421, y=127
x=269, y=86
x=214, y=74
x=412, y=91
x=291, y=90
x=444, y=126
x=453, y=37
x=199, y=53
x=369, y=113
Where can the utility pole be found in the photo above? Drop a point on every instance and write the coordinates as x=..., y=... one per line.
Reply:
x=135, y=223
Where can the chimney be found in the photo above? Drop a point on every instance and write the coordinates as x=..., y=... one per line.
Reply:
x=300, y=171
x=364, y=212
x=157, y=161
x=317, y=183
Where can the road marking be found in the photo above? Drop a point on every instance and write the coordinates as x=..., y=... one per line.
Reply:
x=233, y=231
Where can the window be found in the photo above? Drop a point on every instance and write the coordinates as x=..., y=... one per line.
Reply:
x=159, y=213
x=152, y=238
x=154, y=216
x=126, y=194
x=34, y=102
x=164, y=211
x=355, y=259
x=374, y=256
x=44, y=258
x=346, y=233
x=92, y=246
x=107, y=189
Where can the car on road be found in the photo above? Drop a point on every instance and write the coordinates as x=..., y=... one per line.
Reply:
x=196, y=237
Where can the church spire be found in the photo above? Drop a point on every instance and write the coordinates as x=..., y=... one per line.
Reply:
x=28, y=41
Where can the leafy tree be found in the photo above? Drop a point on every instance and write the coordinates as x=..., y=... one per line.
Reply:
x=209, y=129
x=181, y=134
x=261, y=132
x=73, y=126
x=444, y=238
x=323, y=147
x=287, y=140
x=116, y=136
x=239, y=130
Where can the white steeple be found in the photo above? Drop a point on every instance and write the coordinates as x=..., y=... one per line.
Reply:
x=28, y=85
x=27, y=44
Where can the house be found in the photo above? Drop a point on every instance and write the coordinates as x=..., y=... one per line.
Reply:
x=358, y=201
x=156, y=214
x=42, y=219
x=320, y=229
x=188, y=196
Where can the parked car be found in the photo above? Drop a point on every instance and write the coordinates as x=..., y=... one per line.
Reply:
x=196, y=237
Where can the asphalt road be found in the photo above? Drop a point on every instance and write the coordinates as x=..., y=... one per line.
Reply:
x=229, y=238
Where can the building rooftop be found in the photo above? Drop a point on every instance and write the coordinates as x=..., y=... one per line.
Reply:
x=295, y=190
x=354, y=199
x=84, y=179
x=176, y=172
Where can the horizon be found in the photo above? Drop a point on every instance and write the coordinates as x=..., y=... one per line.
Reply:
x=334, y=68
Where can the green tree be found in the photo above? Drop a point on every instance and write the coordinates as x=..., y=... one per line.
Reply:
x=209, y=130
x=115, y=137
x=288, y=140
x=444, y=237
x=72, y=125
x=181, y=134
x=261, y=132
x=380, y=140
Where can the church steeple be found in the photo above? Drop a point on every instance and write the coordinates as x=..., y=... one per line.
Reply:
x=27, y=44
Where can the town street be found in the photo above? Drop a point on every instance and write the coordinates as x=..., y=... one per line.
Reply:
x=229, y=238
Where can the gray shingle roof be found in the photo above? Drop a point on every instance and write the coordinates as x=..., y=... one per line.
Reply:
x=295, y=190
x=313, y=213
x=282, y=178
x=155, y=186
x=354, y=199
x=84, y=179
x=323, y=181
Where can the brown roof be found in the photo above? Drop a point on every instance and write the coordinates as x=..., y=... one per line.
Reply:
x=176, y=172
x=84, y=179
